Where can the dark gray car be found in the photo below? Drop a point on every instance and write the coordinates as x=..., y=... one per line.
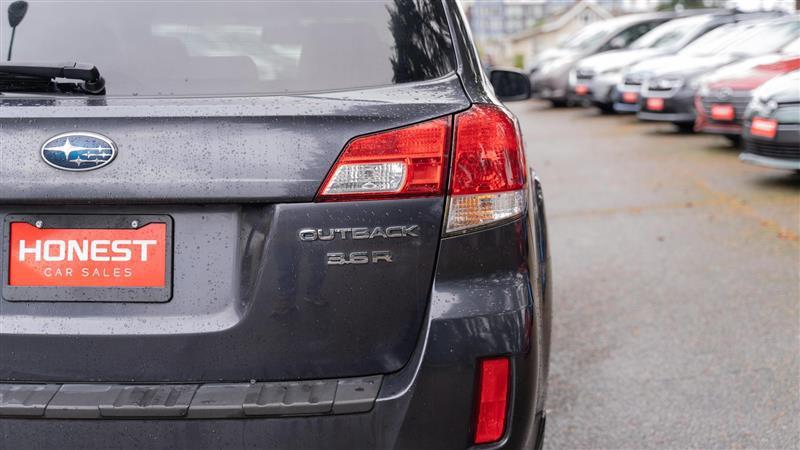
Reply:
x=265, y=225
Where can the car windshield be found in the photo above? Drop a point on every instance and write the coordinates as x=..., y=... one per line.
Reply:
x=670, y=33
x=766, y=38
x=171, y=48
x=588, y=37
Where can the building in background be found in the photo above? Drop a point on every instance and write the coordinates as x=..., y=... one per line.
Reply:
x=492, y=21
x=496, y=19
x=548, y=33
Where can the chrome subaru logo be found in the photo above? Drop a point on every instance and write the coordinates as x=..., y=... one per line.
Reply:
x=79, y=151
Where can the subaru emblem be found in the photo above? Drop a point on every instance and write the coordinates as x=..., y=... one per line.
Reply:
x=78, y=151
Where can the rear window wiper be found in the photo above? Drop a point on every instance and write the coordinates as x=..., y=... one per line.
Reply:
x=23, y=77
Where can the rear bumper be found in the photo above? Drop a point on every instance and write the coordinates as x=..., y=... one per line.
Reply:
x=345, y=432
x=474, y=313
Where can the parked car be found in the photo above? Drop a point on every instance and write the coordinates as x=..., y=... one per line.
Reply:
x=668, y=94
x=551, y=79
x=613, y=91
x=260, y=224
x=595, y=78
x=772, y=124
x=725, y=93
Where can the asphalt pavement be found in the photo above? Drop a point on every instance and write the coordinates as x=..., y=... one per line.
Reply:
x=676, y=275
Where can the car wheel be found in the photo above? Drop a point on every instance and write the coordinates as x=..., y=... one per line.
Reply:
x=558, y=103
x=685, y=127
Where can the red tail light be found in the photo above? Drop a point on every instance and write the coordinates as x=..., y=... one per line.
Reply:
x=488, y=156
x=406, y=162
x=488, y=175
x=492, y=402
x=488, y=178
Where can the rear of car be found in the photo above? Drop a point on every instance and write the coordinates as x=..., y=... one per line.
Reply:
x=668, y=94
x=269, y=229
x=724, y=94
x=771, y=129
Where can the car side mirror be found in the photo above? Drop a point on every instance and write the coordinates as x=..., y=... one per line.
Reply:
x=510, y=85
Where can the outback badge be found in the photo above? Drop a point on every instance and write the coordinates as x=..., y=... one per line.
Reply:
x=78, y=151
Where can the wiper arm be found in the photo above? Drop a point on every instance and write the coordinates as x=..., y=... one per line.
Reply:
x=35, y=76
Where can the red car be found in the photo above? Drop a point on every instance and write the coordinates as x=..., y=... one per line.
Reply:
x=724, y=95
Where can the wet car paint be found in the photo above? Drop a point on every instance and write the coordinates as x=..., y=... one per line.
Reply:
x=490, y=294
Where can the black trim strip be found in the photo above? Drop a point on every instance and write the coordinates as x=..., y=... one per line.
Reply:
x=189, y=401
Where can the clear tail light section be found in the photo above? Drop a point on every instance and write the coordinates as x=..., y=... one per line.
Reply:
x=405, y=162
x=492, y=402
x=488, y=175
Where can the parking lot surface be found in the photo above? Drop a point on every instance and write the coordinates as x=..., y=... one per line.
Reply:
x=676, y=287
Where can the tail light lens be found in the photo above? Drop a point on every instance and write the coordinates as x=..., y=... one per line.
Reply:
x=406, y=162
x=492, y=402
x=488, y=177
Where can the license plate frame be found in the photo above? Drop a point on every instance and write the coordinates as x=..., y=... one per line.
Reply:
x=88, y=294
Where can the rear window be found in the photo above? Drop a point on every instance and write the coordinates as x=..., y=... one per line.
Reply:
x=198, y=48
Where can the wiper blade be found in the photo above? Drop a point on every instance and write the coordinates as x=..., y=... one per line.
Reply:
x=37, y=77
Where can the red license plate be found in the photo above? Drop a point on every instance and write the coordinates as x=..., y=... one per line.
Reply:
x=630, y=97
x=87, y=257
x=764, y=127
x=655, y=104
x=723, y=112
x=581, y=89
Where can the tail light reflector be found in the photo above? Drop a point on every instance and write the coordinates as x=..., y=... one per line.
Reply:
x=492, y=402
x=488, y=176
x=406, y=162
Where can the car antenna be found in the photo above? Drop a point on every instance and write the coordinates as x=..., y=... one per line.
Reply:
x=16, y=12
